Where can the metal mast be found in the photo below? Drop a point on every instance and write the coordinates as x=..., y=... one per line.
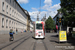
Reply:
x=39, y=11
x=37, y=17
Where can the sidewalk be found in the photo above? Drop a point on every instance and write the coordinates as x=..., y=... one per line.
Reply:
x=4, y=38
x=54, y=39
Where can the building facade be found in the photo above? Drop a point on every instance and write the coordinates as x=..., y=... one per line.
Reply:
x=44, y=18
x=55, y=19
x=28, y=20
x=12, y=16
x=31, y=26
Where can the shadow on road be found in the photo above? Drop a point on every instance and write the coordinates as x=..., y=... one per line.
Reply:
x=54, y=41
x=70, y=40
x=38, y=38
x=54, y=36
x=57, y=41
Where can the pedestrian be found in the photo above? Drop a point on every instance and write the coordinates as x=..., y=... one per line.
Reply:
x=16, y=31
x=11, y=34
x=31, y=31
x=25, y=31
x=21, y=31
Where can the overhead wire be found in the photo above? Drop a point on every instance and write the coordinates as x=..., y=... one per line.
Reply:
x=40, y=7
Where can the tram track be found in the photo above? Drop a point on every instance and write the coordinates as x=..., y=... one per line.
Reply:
x=43, y=44
x=19, y=41
x=34, y=46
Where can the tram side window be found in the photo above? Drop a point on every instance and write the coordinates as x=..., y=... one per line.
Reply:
x=38, y=26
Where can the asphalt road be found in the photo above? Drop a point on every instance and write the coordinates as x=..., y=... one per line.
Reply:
x=25, y=41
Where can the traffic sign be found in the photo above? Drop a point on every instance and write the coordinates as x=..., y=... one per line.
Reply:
x=62, y=36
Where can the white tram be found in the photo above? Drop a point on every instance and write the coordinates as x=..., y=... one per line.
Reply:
x=39, y=29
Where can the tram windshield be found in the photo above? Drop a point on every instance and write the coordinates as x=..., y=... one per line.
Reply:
x=39, y=26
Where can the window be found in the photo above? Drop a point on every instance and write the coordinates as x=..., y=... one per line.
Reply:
x=10, y=1
x=16, y=25
x=3, y=6
x=2, y=22
x=12, y=25
x=15, y=14
x=39, y=26
x=10, y=11
x=13, y=3
x=7, y=9
x=7, y=23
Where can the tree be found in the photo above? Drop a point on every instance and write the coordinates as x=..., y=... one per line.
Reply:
x=68, y=9
x=50, y=24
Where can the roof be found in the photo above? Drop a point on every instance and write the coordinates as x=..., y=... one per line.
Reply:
x=22, y=8
x=55, y=15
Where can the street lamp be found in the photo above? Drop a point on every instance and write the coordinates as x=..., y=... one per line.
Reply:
x=60, y=15
x=60, y=19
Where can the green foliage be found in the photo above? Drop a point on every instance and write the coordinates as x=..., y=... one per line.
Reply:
x=50, y=23
x=68, y=10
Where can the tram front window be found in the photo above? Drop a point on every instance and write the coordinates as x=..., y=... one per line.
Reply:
x=38, y=26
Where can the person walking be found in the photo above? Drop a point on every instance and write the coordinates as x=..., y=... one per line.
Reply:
x=22, y=31
x=57, y=28
x=16, y=31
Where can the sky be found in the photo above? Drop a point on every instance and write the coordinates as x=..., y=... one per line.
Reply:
x=48, y=7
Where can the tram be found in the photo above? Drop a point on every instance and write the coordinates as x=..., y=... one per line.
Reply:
x=39, y=29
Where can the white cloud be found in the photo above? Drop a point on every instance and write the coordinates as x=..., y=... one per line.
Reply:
x=34, y=9
x=48, y=2
x=52, y=10
x=23, y=1
x=33, y=15
x=49, y=10
x=56, y=6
